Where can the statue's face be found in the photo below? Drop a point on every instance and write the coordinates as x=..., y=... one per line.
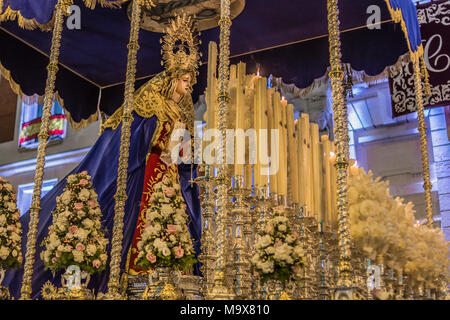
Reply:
x=184, y=83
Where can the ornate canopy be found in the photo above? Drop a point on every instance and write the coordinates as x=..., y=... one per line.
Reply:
x=285, y=38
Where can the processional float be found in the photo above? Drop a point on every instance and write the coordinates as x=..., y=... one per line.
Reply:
x=229, y=217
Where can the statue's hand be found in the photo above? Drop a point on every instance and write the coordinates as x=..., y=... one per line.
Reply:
x=166, y=157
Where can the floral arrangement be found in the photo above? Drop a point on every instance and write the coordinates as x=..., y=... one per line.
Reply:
x=166, y=240
x=279, y=254
x=384, y=229
x=76, y=236
x=10, y=228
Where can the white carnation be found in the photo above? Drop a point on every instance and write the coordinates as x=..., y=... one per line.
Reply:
x=72, y=178
x=66, y=197
x=11, y=206
x=166, y=210
x=298, y=251
x=91, y=249
x=264, y=242
x=78, y=256
x=88, y=223
x=84, y=194
x=270, y=250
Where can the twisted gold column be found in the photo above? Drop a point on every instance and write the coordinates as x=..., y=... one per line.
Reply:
x=341, y=142
x=423, y=141
x=220, y=291
x=127, y=118
x=52, y=68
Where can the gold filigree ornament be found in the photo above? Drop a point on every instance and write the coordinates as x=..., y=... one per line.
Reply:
x=180, y=46
x=49, y=291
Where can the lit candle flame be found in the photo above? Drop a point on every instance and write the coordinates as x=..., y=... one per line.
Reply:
x=257, y=72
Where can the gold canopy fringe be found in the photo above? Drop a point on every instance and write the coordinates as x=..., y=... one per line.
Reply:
x=31, y=24
x=15, y=87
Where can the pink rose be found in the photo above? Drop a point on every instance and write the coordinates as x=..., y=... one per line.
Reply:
x=150, y=257
x=297, y=269
x=16, y=215
x=269, y=228
x=295, y=235
x=96, y=263
x=73, y=229
x=147, y=224
x=78, y=206
x=278, y=243
x=179, y=252
x=83, y=182
x=169, y=192
x=54, y=260
x=80, y=247
x=92, y=204
x=152, y=199
x=12, y=227
x=171, y=229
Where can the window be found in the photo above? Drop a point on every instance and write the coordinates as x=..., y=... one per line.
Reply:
x=25, y=193
x=30, y=122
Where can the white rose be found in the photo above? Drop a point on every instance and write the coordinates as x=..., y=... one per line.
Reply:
x=8, y=187
x=140, y=245
x=264, y=241
x=165, y=251
x=78, y=256
x=172, y=238
x=14, y=253
x=3, y=220
x=282, y=227
x=4, y=253
x=3, y=231
x=84, y=194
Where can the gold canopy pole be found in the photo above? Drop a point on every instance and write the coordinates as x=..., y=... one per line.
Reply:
x=344, y=282
x=423, y=140
x=220, y=291
x=127, y=118
x=52, y=68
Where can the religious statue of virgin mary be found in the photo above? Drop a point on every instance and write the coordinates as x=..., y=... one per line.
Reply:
x=161, y=105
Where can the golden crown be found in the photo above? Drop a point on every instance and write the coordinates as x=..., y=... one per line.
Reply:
x=180, y=45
